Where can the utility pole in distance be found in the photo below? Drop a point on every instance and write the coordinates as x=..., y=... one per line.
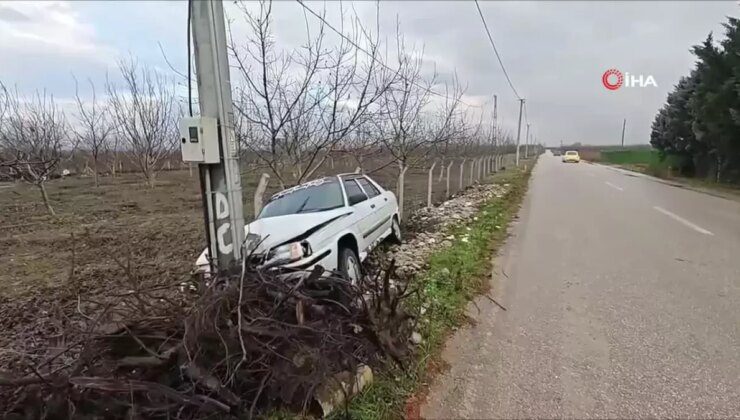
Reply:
x=526, y=143
x=220, y=178
x=624, y=124
x=519, y=130
x=495, y=140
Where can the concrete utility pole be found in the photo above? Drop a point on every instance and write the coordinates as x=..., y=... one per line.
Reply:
x=220, y=182
x=493, y=131
x=519, y=130
x=526, y=143
x=624, y=124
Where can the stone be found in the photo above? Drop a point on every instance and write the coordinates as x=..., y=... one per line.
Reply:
x=333, y=392
x=431, y=222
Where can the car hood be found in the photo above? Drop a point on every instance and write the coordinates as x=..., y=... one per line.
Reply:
x=273, y=231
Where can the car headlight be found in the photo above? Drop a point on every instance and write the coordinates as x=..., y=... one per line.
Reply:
x=291, y=251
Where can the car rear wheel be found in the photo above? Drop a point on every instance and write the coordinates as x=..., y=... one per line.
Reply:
x=395, y=236
x=349, y=265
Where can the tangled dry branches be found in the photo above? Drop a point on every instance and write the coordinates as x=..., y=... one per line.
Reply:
x=240, y=345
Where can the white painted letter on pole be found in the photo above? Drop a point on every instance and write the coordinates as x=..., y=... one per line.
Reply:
x=222, y=212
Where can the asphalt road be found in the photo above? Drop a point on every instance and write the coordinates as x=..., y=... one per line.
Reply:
x=623, y=298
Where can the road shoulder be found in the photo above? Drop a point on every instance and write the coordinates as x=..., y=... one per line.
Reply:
x=472, y=351
x=719, y=191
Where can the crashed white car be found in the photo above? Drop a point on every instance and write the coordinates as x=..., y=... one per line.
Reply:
x=333, y=221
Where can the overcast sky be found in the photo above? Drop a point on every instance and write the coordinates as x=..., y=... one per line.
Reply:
x=555, y=52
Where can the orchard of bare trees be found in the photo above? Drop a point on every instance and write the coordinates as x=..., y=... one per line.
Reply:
x=33, y=133
x=137, y=121
x=346, y=94
x=357, y=98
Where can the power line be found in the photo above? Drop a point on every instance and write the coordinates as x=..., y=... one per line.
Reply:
x=372, y=56
x=190, y=60
x=495, y=50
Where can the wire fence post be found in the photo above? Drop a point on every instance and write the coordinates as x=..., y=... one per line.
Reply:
x=401, y=175
x=259, y=193
x=462, y=166
x=430, y=181
x=472, y=170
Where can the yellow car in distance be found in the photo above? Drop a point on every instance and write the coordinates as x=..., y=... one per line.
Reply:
x=571, y=156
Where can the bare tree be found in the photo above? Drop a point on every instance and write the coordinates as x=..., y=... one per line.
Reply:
x=412, y=126
x=3, y=104
x=301, y=104
x=364, y=143
x=3, y=101
x=145, y=113
x=112, y=147
x=270, y=95
x=94, y=127
x=5, y=171
x=33, y=133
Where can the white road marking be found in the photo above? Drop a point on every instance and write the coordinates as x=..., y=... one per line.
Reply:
x=613, y=186
x=684, y=221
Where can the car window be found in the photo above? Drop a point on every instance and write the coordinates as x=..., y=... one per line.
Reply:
x=354, y=193
x=571, y=153
x=320, y=195
x=369, y=188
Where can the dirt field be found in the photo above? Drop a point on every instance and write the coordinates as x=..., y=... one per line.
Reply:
x=100, y=232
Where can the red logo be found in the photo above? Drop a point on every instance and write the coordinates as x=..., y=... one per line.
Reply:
x=612, y=79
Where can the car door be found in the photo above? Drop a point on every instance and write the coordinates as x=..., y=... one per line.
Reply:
x=379, y=204
x=358, y=200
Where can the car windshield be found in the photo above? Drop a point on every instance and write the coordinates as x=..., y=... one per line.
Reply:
x=320, y=195
x=571, y=153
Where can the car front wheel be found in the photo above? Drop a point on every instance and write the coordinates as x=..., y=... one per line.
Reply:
x=349, y=265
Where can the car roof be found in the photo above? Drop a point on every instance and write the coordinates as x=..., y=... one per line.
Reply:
x=299, y=186
x=327, y=177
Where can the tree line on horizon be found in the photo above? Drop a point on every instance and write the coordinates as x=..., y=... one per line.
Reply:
x=699, y=125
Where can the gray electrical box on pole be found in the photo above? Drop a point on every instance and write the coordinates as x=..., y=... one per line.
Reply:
x=213, y=131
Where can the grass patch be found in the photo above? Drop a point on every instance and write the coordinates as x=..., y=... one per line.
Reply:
x=455, y=276
x=630, y=156
x=645, y=160
x=650, y=162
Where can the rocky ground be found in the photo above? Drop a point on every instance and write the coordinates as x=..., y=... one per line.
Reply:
x=429, y=227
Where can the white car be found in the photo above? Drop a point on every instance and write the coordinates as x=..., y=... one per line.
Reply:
x=333, y=221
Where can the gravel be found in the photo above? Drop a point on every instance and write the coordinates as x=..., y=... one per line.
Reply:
x=432, y=223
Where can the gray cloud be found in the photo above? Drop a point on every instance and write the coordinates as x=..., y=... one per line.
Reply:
x=555, y=52
x=11, y=15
